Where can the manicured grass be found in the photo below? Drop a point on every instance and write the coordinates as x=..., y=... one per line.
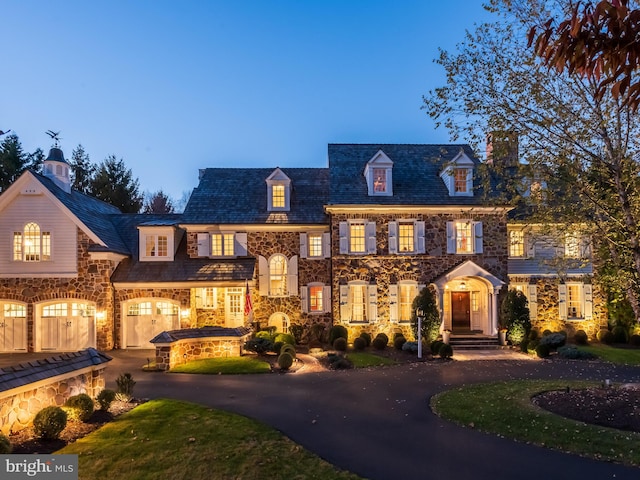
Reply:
x=225, y=366
x=364, y=359
x=180, y=440
x=506, y=409
x=624, y=356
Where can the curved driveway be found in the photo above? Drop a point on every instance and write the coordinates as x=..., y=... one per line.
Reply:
x=377, y=422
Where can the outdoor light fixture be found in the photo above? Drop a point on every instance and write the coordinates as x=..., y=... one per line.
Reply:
x=186, y=312
x=101, y=315
x=463, y=285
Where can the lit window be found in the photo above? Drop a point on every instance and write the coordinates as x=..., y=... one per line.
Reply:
x=208, y=297
x=234, y=298
x=460, y=180
x=278, y=275
x=516, y=243
x=277, y=196
x=315, y=298
x=379, y=180
x=572, y=245
x=407, y=293
x=315, y=244
x=475, y=301
x=82, y=310
x=357, y=242
x=156, y=246
x=222, y=244
x=166, y=308
x=406, y=237
x=464, y=237
x=357, y=300
x=142, y=308
x=574, y=301
x=32, y=245
x=55, y=310
x=15, y=310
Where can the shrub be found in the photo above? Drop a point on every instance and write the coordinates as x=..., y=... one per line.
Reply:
x=514, y=316
x=581, y=338
x=264, y=334
x=546, y=332
x=435, y=346
x=277, y=347
x=340, y=344
x=398, y=342
x=430, y=326
x=543, y=350
x=287, y=348
x=285, y=360
x=79, y=407
x=534, y=334
x=318, y=332
x=600, y=334
x=571, y=352
x=635, y=340
x=532, y=345
x=410, y=347
x=554, y=340
x=379, y=343
x=607, y=337
x=296, y=330
x=125, y=383
x=105, y=398
x=366, y=337
x=337, y=331
x=620, y=334
x=445, y=351
x=359, y=343
x=524, y=346
x=285, y=338
x=315, y=344
x=49, y=422
x=259, y=345
x=384, y=337
x=5, y=445
x=397, y=334
x=339, y=362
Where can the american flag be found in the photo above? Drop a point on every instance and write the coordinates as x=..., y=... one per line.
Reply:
x=248, y=307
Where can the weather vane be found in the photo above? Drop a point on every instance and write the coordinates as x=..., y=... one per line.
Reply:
x=54, y=137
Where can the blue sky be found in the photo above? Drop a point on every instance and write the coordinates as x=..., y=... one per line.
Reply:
x=172, y=87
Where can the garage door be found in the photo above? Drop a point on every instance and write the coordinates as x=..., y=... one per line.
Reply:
x=66, y=327
x=13, y=327
x=146, y=319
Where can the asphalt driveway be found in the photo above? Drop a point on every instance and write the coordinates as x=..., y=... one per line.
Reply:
x=377, y=422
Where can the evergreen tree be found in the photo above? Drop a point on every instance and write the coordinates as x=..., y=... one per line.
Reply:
x=158, y=202
x=13, y=161
x=114, y=183
x=82, y=170
x=35, y=160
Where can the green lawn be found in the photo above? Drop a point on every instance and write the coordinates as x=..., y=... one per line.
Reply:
x=625, y=356
x=364, y=359
x=506, y=409
x=180, y=440
x=224, y=366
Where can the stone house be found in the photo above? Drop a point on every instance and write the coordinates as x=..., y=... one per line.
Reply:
x=349, y=244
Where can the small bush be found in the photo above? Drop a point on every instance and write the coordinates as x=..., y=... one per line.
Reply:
x=5, y=445
x=340, y=344
x=435, y=346
x=531, y=346
x=315, y=344
x=366, y=337
x=534, y=334
x=445, y=351
x=79, y=407
x=524, y=346
x=359, y=343
x=581, y=338
x=265, y=334
x=125, y=383
x=339, y=362
x=49, y=423
x=397, y=334
x=573, y=353
x=607, y=337
x=318, y=332
x=296, y=330
x=410, y=347
x=379, y=343
x=543, y=350
x=601, y=334
x=285, y=360
x=620, y=334
x=384, y=337
x=277, y=347
x=635, y=340
x=398, y=342
x=258, y=345
x=554, y=340
x=285, y=338
x=337, y=331
x=105, y=398
x=546, y=332
x=287, y=348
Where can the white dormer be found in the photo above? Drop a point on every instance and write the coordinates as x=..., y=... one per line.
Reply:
x=278, y=192
x=157, y=243
x=57, y=169
x=458, y=176
x=377, y=172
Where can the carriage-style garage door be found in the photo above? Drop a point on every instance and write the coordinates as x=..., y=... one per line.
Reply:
x=144, y=320
x=66, y=327
x=13, y=327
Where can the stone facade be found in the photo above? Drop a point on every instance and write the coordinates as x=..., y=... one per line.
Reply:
x=168, y=355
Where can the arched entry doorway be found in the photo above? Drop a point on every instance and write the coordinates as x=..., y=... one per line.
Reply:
x=280, y=321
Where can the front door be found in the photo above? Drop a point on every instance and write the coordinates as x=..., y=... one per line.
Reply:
x=460, y=312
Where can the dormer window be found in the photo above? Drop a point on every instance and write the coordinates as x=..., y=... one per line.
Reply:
x=156, y=244
x=278, y=192
x=378, y=175
x=458, y=176
x=461, y=180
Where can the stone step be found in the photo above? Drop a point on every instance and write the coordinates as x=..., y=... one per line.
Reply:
x=474, y=342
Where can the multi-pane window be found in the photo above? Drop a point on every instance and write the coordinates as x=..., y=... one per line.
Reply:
x=222, y=244
x=358, y=302
x=277, y=196
x=460, y=180
x=379, y=180
x=406, y=237
x=15, y=310
x=208, y=297
x=516, y=243
x=166, y=308
x=55, y=310
x=31, y=245
x=475, y=301
x=572, y=245
x=156, y=246
x=357, y=243
x=406, y=294
x=464, y=237
x=315, y=244
x=82, y=310
x=574, y=301
x=316, y=298
x=142, y=308
x=278, y=275
x=234, y=296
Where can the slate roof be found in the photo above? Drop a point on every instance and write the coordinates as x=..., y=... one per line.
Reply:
x=203, y=332
x=416, y=174
x=239, y=196
x=36, y=370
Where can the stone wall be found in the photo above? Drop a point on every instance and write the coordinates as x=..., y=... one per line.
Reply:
x=168, y=355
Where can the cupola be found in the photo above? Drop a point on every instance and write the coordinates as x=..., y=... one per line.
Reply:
x=57, y=169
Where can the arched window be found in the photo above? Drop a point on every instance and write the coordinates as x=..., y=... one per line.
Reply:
x=31, y=245
x=278, y=275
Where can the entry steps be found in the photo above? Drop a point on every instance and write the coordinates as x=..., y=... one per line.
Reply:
x=474, y=342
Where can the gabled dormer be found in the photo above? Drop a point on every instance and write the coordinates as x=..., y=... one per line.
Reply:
x=378, y=173
x=157, y=242
x=57, y=169
x=457, y=175
x=278, y=192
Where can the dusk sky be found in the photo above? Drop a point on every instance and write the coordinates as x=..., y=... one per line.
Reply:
x=172, y=87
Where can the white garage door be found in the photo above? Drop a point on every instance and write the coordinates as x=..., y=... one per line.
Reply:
x=13, y=327
x=145, y=320
x=66, y=327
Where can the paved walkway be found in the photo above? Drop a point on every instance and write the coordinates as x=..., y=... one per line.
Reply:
x=377, y=423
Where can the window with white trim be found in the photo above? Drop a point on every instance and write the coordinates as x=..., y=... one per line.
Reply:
x=278, y=276
x=572, y=245
x=32, y=244
x=358, y=302
x=315, y=245
x=156, y=246
x=358, y=237
x=207, y=297
x=575, y=301
x=406, y=237
x=407, y=292
x=278, y=191
x=378, y=173
x=315, y=298
x=222, y=244
x=461, y=180
x=516, y=243
x=156, y=243
x=464, y=237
